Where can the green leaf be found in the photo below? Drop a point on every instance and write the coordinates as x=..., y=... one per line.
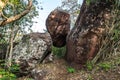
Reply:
x=70, y=70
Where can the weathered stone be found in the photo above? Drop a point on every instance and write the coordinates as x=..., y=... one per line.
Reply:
x=31, y=49
x=84, y=40
x=58, y=25
x=38, y=74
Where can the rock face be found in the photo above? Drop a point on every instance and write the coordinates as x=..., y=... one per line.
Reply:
x=58, y=25
x=32, y=49
x=84, y=40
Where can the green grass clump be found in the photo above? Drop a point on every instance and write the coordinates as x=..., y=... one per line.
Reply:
x=6, y=75
x=89, y=65
x=105, y=66
x=59, y=52
x=70, y=69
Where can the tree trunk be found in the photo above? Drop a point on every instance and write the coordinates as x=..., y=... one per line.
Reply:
x=85, y=39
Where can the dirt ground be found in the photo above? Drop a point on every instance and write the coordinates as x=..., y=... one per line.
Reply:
x=57, y=70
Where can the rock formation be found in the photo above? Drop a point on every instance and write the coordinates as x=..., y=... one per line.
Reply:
x=84, y=40
x=32, y=49
x=58, y=25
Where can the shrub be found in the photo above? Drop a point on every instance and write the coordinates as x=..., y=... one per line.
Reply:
x=6, y=75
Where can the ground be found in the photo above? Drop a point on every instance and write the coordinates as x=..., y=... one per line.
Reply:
x=58, y=70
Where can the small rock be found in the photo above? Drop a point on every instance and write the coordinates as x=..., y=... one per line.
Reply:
x=38, y=74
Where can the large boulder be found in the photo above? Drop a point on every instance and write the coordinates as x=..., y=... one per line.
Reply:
x=86, y=39
x=58, y=25
x=32, y=49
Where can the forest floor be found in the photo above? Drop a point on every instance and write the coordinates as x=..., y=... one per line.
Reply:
x=59, y=70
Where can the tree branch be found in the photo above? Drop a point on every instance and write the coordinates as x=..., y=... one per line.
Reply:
x=18, y=16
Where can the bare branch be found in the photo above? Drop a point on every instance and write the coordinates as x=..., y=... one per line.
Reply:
x=18, y=16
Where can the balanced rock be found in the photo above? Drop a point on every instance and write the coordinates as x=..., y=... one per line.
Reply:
x=58, y=25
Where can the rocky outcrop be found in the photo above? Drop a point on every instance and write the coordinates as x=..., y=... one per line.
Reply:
x=31, y=50
x=85, y=39
x=58, y=25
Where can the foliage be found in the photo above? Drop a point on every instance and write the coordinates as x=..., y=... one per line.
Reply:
x=29, y=79
x=11, y=8
x=6, y=75
x=111, y=40
x=110, y=63
x=105, y=66
x=14, y=68
x=72, y=7
x=21, y=26
x=89, y=65
x=59, y=52
x=70, y=69
x=14, y=7
x=89, y=77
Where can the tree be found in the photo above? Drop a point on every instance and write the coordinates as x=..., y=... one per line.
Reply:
x=72, y=7
x=96, y=32
x=16, y=17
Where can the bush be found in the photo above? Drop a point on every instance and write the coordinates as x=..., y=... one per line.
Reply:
x=6, y=75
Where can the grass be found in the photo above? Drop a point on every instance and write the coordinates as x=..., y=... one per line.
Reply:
x=89, y=65
x=8, y=73
x=70, y=69
x=59, y=52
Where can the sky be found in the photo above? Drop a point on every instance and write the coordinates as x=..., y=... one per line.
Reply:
x=48, y=6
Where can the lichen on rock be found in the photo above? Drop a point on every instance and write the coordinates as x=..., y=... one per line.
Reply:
x=30, y=50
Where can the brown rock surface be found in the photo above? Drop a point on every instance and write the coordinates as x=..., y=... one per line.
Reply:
x=58, y=25
x=85, y=39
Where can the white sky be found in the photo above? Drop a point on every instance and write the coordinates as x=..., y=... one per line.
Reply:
x=48, y=6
